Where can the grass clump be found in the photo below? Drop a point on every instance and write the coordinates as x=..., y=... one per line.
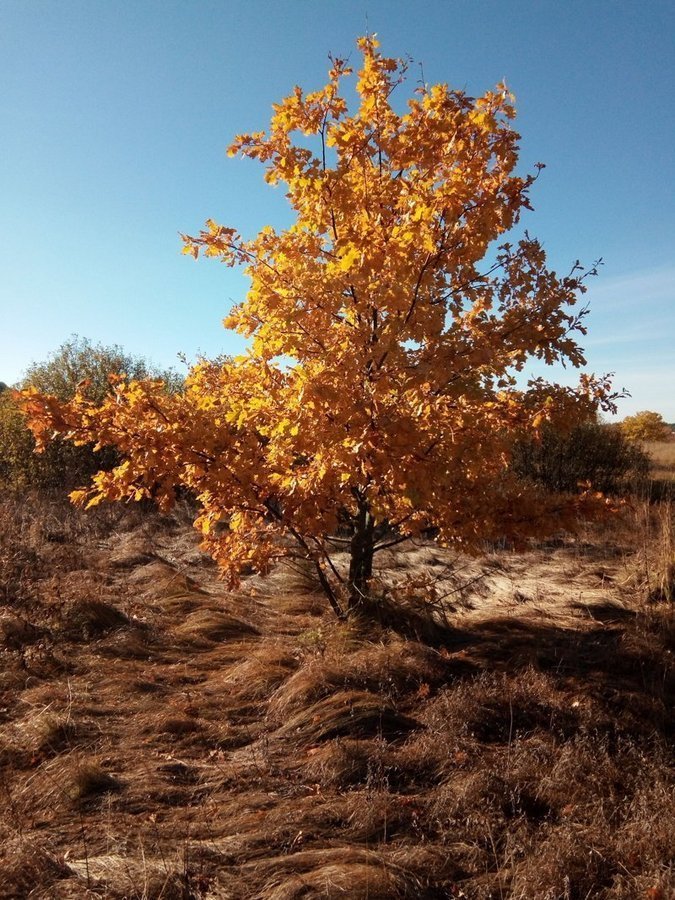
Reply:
x=88, y=619
x=89, y=781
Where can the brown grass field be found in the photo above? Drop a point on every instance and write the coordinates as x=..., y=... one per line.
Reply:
x=161, y=737
x=662, y=454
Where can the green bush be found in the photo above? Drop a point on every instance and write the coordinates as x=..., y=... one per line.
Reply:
x=592, y=453
x=62, y=465
x=78, y=360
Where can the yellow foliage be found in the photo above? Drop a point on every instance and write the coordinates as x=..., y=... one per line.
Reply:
x=395, y=405
x=646, y=426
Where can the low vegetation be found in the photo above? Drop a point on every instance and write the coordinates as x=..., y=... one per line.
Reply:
x=591, y=453
x=162, y=737
x=662, y=456
x=77, y=365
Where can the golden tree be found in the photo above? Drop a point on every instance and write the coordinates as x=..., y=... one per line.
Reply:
x=380, y=396
x=646, y=426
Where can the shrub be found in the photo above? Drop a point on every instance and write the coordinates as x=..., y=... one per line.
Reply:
x=77, y=363
x=79, y=360
x=61, y=465
x=591, y=452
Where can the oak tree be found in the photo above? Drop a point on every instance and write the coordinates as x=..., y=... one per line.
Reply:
x=389, y=328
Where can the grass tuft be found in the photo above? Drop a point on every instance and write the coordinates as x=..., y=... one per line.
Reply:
x=89, y=781
x=90, y=619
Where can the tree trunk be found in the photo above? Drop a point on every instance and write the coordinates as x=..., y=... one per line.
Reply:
x=361, y=561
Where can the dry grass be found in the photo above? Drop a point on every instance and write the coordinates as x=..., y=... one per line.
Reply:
x=653, y=571
x=161, y=738
x=662, y=455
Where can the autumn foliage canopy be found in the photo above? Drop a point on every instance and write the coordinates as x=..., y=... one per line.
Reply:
x=646, y=426
x=381, y=394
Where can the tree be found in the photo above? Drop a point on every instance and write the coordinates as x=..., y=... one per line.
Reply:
x=646, y=426
x=379, y=397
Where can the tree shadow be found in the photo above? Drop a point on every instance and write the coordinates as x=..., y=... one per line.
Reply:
x=622, y=664
x=626, y=671
x=606, y=613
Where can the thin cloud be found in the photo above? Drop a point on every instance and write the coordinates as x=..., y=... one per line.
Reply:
x=653, y=285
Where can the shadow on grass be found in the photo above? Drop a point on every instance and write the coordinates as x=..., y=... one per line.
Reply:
x=626, y=671
x=623, y=662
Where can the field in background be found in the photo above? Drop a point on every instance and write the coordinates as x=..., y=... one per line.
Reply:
x=163, y=738
x=662, y=455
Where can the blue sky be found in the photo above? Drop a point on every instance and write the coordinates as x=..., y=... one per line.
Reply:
x=114, y=118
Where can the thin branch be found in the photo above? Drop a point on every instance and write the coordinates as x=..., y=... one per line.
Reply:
x=461, y=587
x=416, y=290
x=325, y=583
x=329, y=592
x=392, y=543
x=332, y=566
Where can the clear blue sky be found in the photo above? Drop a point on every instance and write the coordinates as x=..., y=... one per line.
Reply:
x=114, y=117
